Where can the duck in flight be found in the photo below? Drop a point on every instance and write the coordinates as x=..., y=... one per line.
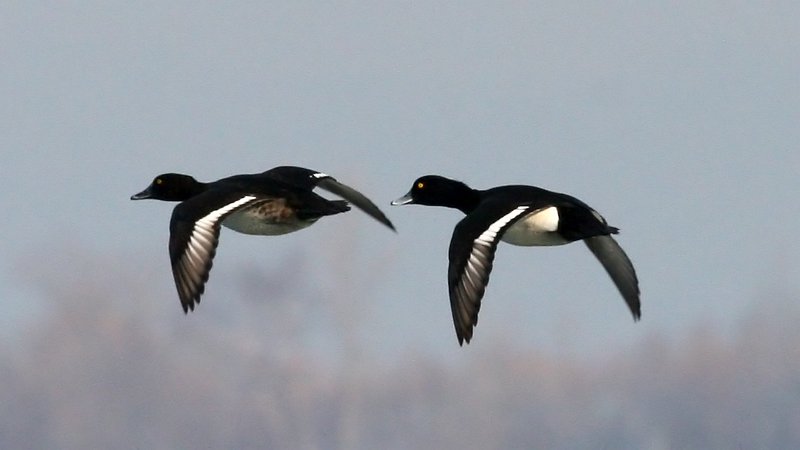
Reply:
x=278, y=201
x=519, y=215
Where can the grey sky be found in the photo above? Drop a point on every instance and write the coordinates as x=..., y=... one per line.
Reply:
x=678, y=122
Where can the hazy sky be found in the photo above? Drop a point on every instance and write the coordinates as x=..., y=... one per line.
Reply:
x=678, y=122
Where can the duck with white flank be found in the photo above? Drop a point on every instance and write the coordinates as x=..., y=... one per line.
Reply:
x=519, y=215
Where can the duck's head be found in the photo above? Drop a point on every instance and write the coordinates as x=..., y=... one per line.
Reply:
x=435, y=190
x=174, y=187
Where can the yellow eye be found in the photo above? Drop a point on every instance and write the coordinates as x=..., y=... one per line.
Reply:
x=420, y=185
x=159, y=181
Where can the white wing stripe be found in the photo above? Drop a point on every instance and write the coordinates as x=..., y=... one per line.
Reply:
x=477, y=264
x=472, y=272
x=488, y=237
x=207, y=222
x=195, y=259
x=473, y=280
x=475, y=261
x=197, y=252
x=201, y=243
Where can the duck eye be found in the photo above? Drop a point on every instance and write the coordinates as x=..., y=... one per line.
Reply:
x=159, y=181
x=420, y=185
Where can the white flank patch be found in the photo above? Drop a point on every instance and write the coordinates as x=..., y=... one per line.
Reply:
x=320, y=175
x=537, y=228
x=544, y=220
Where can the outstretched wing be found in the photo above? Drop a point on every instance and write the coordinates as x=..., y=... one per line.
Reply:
x=193, y=237
x=309, y=179
x=472, y=250
x=354, y=197
x=619, y=268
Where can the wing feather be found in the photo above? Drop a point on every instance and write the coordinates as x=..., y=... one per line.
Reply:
x=619, y=267
x=472, y=250
x=309, y=179
x=194, y=235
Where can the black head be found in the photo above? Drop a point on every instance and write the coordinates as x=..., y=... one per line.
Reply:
x=435, y=190
x=172, y=187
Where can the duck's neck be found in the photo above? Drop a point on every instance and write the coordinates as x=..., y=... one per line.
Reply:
x=465, y=199
x=186, y=190
x=197, y=188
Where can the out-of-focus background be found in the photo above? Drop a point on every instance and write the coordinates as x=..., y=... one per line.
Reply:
x=678, y=122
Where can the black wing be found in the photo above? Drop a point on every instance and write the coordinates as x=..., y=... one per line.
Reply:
x=619, y=268
x=193, y=237
x=309, y=179
x=472, y=249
